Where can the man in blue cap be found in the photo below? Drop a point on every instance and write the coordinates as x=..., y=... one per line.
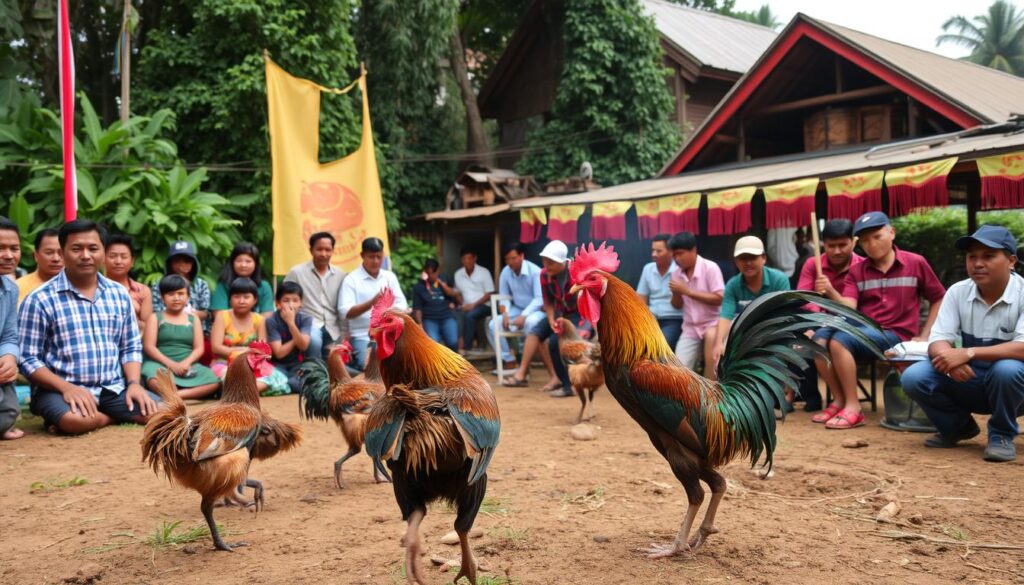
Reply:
x=986, y=375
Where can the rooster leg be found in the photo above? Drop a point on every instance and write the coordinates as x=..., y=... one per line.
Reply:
x=688, y=474
x=467, y=567
x=679, y=545
x=583, y=404
x=207, y=507
x=257, y=493
x=413, y=547
x=707, y=526
x=378, y=477
x=590, y=404
x=352, y=450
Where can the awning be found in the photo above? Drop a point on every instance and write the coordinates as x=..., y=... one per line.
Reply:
x=468, y=213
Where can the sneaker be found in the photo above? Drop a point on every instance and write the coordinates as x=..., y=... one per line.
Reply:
x=940, y=441
x=1000, y=449
x=562, y=393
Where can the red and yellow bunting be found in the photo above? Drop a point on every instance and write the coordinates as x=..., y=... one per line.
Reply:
x=647, y=218
x=729, y=211
x=562, y=221
x=679, y=214
x=531, y=223
x=919, y=185
x=851, y=196
x=608, y=220
x=1002, y=181
x=790, y=204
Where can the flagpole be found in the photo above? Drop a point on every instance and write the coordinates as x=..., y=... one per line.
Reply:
x=66, y=66
x=126, y=60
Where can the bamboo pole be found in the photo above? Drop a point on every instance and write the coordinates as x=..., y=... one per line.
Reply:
x=126, y=62
x=817, y=243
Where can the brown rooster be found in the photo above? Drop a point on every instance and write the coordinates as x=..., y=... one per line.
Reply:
x=210, y=451
x=331, y=392
x=582, y=360
x=696, y=424
x=436, y=428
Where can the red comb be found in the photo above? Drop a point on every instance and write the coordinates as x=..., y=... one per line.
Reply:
x=589, y=258
x=386, y=301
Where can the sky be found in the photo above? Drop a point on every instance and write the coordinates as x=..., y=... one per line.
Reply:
x=911, y=22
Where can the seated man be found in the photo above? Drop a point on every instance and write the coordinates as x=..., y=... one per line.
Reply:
x=476, y=284
x=653, y=288
x=519, y=279
x=49, y=263
x=697, y=289
x=360, y=290
x=321, y=282
x=887, y=287
x=80, y=344
x=10, y=254
x=986, y=375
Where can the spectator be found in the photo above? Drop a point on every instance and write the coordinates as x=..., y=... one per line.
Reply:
x=321, y=282
x=887, y=287
x=986, y=375
x=173, y=340
x=361, y=290
x=288, y=332
x=243, y=263
x=519, y=279
x=697, y=288
x=10, y=254
x=554, y=280
x=653, y=288
x=182, y=260
x=754, y=280
x=237, y=328
x=804, y=250
x=49, y=263
x=80, y=345
x=475, y=284
x=433, y=302
x=118, y=266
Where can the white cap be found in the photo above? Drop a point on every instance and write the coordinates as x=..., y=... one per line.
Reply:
x=748, y=245
x=556, y=251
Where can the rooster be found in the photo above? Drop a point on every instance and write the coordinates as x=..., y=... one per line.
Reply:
x=210, y=451
x=436, y=428
x=582, y=360
x=329, y=391
x=698, y=425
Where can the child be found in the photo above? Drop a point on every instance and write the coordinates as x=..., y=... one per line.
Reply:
x=288, y=332
x=173, y=339
x=236, y=328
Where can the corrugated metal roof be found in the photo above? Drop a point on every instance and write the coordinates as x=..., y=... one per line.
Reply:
x=992, y=94
x=711, y=39
x=470, y=212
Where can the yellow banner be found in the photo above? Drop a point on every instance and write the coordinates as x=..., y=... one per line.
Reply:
x=565, y=213
x=342, y=197
x=612, y=208
x=680, y=203
x=855, y=184
x=919, y=174
x=730, y=198
x=648, y=208
x=533, y=215
x=791, y=191
x=1009, y=165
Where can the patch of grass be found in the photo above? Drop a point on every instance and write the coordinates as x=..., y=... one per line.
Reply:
x=128, y=426
x=168, y=535
x=493, y=580
x=509, y=537
x=494, y=506
x=954, y=532
x=109, y=546
x=55, y=484
x=591, y=500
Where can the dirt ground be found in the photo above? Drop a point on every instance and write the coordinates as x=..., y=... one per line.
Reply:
x=558, y=511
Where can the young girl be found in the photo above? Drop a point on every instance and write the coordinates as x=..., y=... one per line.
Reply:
x=173, y=339
x=243, y=263
x=235, y=329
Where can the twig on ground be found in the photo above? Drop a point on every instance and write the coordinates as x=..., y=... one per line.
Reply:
x=56, y=542
x=993, y=569
x=911, y=536
x=951, y=498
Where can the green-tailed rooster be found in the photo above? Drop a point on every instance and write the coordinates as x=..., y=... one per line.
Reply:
x=436, y=428
x=696, y=424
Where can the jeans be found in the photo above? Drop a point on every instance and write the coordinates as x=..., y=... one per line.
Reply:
x=10, y=408
x=319, y=340
x=859, y=350
x=530, y=322
x=671, y=328
x=445, y=331
x=359, y=352
x=996, y=389
x=469, y=324
x=543, y=330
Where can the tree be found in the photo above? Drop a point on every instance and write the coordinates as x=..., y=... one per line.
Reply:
x=612, y=106
x=762, y=16
x=995, y=39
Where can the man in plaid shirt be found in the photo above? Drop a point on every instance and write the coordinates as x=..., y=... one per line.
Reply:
x=80, y=344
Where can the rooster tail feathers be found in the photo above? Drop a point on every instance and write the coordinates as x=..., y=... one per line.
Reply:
x=165, y=441
x=315, y=390
x=275, y=437
x=481, y=437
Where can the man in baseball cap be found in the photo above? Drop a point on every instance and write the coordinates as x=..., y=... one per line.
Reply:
x=986, y=375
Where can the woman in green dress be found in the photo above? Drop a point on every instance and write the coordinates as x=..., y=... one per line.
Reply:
x=173, y=340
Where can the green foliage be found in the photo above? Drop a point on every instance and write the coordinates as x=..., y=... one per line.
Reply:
x=167, y=534
x=56, y=484
x=129, y=179
x=407, y=260
x=612, y=107
x=995, y=39
x=762, y=16
x=932, y=232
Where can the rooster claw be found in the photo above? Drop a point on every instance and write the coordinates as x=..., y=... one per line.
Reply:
x=662, y=551
x=230, y=547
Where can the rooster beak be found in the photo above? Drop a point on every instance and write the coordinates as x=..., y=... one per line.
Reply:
x=374, y=332
x=575, y=289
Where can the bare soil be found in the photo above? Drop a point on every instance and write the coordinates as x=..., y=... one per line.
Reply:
x=558, y=510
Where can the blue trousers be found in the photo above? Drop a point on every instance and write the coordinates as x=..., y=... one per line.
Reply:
x=444, y=331
x=319, y=340
x=469, y=324
x=996, y=389
x=359, y=355
x=671, y=328
x=543, y=331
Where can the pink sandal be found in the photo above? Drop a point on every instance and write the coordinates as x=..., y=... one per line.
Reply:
x=846, y=419
x=826, y=415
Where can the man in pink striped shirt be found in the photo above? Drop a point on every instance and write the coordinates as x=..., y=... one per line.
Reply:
x=697, y=287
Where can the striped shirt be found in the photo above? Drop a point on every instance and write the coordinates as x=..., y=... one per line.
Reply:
x=83, y=341
x=893, y=298
x=964, y=314
x=556, y=292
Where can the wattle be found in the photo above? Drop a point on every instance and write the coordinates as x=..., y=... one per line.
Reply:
x=590, y=307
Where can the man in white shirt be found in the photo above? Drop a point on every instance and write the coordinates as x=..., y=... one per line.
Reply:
x=321, y=285
x=986, y=375
x=653, y=288
x=476, y=284
x=360, y=291
x=519, y=279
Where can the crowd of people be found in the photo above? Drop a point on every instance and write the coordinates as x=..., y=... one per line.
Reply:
x=89, y=339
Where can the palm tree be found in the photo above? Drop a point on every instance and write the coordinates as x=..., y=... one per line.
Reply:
x=996, y=39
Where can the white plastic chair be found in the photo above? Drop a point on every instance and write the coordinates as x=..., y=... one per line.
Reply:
x=499, y=332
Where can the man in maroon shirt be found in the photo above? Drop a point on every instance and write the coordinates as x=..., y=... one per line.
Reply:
x=887, y=287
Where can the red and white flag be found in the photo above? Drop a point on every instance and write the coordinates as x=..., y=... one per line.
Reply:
x=66, y=64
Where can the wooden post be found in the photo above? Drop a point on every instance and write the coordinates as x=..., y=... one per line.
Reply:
x=126, y=62
x=817, y=242
x=497, y=254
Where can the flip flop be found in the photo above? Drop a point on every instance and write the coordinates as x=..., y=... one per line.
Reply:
x=845, y=419
x=550, y=387
x=827, y=414
x=513, y=382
